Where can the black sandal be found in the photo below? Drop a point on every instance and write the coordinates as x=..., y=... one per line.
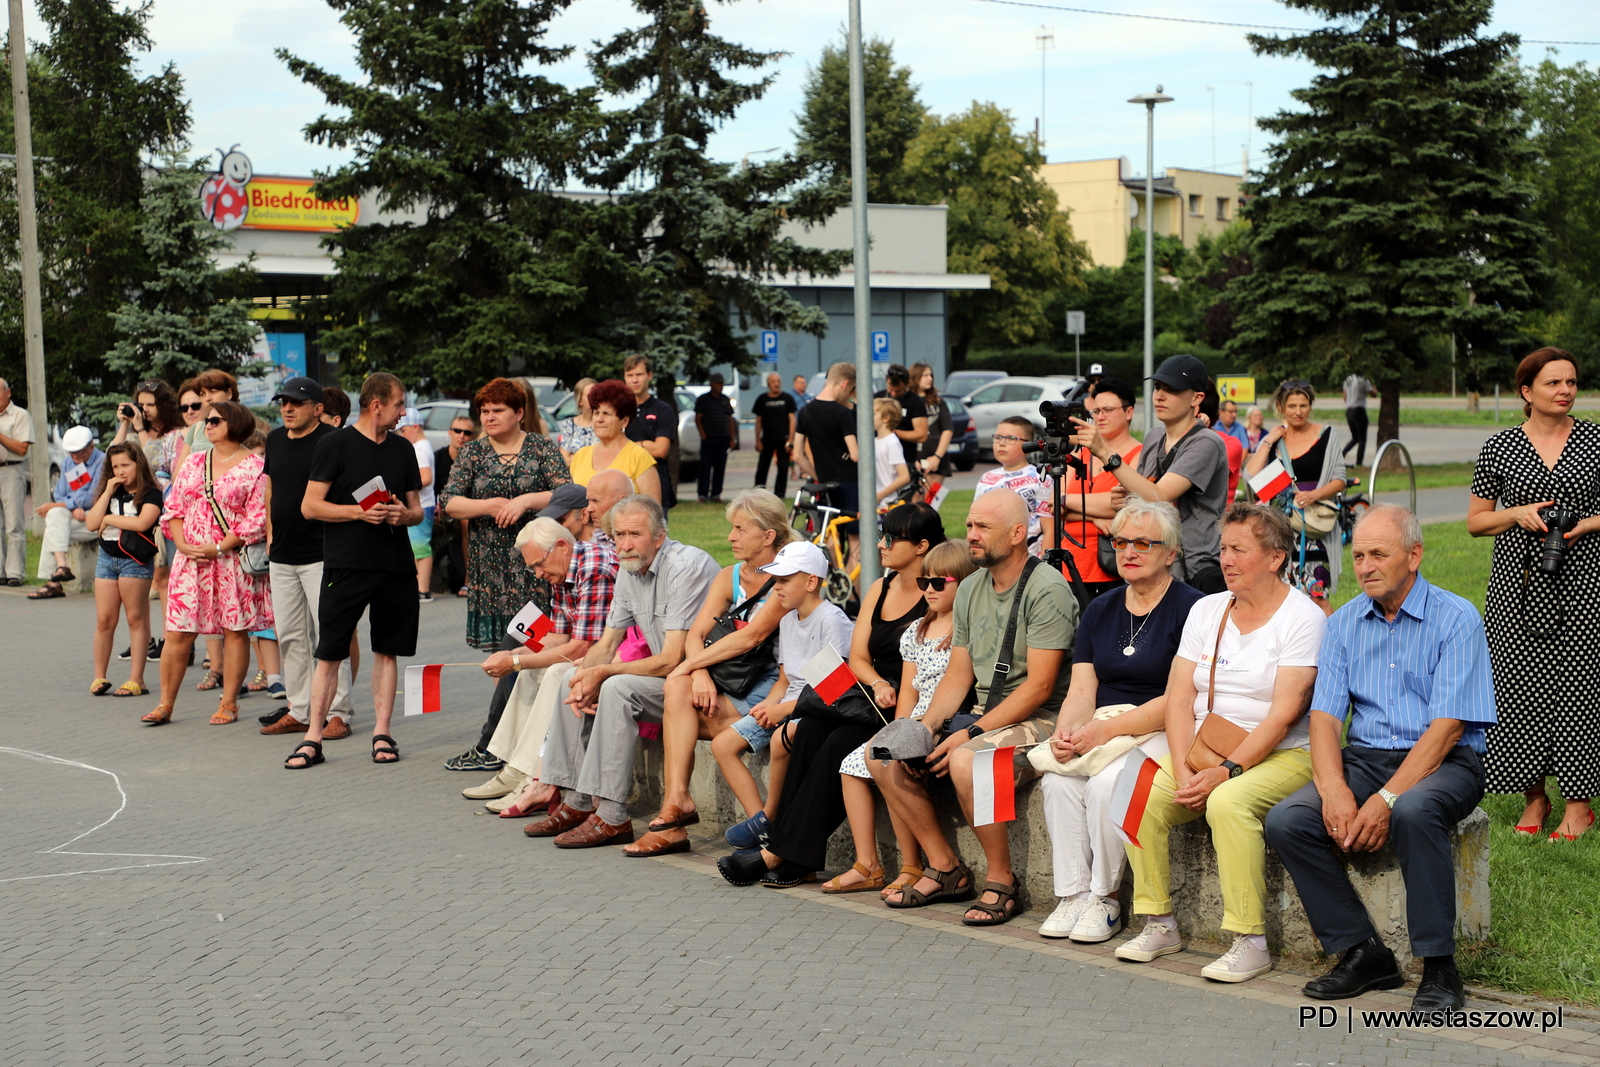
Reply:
x=950, y=888
x=389, y=749
x=1003, y=910
x=311, y=760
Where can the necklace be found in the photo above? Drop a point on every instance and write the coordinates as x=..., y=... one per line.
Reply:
x=1133, y=635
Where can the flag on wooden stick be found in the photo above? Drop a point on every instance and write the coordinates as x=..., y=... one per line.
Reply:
x=1131, y=794
x=994, y=786
x=422, y=689
x=1270, y=480
x=531, y=626
x=829, y=675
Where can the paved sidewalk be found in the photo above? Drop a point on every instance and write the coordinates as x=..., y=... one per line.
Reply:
x=172, y=897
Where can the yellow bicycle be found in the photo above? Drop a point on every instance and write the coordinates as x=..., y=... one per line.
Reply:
x=823, y=525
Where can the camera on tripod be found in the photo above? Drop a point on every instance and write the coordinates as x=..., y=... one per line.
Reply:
x=1058, y=426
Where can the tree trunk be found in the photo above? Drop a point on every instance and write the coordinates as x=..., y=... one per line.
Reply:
x=1472, y=401
x=1388, y=416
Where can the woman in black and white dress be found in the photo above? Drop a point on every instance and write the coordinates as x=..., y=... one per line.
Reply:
x=1544, y=628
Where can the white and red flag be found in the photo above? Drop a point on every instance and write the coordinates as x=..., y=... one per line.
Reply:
x=829, y=675
x=994, y=786
x=1131, y=794
x=1270, y=480
x=422, y=689
x=937, y=491
x=370, y=494
x=78, y=477
x=531, y=626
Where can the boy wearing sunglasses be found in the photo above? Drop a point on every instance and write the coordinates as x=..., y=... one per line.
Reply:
x=1021, y=477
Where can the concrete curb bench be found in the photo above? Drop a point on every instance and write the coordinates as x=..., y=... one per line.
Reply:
x=1195, y=888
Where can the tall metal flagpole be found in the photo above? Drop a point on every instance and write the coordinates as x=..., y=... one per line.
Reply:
x=866, y=470
x=28, y=226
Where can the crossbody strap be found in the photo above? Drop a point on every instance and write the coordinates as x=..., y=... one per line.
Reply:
x=1216, y=650
x=1002, y=663
x=1171, y=452
x=760, y=594
x=211, y=498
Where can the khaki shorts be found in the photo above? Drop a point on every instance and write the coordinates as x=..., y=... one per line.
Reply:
x=1026, y=732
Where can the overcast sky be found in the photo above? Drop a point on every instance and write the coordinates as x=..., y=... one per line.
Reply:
x=958, y=50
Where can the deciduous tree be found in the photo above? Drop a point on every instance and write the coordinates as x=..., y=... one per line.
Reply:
x=894, y=117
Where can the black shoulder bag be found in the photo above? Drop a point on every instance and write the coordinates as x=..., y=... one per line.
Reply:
x=1002, y=663
x=737, y=676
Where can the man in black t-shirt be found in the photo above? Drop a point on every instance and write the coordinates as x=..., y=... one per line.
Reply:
x=775, y=413
x=913, y=428
x=654, y=425
x=295, y=552
x=364, y=486
x=713, y=417
x=825, y=443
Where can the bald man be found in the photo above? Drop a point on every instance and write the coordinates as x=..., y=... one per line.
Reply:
x=16, y=434
x=605, y=488
x=1015, y=705
x=775, y=412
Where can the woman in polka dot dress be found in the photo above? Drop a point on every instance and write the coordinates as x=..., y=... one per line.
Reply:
x=1544, y=628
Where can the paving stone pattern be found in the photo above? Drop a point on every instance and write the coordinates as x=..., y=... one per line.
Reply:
x=238, y=913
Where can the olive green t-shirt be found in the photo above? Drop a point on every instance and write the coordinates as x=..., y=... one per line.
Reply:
x=1049, y=619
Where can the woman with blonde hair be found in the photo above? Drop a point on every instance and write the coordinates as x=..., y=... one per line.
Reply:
x=577, y=430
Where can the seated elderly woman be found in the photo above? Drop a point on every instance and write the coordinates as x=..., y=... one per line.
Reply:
x=1238, y=738
x=1120, y=661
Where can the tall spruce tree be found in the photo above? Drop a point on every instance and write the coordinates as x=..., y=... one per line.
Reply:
x=1391, y=210
x=702, y=237
x=187, y=315
x=94, y=120
x=482, y=268
x=894, y=117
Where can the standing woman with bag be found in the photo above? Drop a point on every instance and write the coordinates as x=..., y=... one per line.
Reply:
x=1310, y=453
x=126, y=510
x=217, y=507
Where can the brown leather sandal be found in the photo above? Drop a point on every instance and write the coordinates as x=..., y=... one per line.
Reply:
x=226, y=713
x=872, y=878
x=1003, y=910
x=656, y=844
x=909, y=873
x=950, y=888
x=672, y=817
x=162, y=714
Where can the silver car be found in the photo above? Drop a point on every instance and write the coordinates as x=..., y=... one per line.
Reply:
x=1013, y=396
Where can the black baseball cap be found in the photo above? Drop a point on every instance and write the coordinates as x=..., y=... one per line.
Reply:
x=300, y=389
x=1180, y=373
x=565, y=498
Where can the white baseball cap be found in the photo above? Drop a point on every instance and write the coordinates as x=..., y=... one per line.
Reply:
x=798, y=557
x=77, y=438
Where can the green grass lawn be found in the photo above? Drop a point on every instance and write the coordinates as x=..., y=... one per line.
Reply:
x=1510, y=415
x=1429, y=476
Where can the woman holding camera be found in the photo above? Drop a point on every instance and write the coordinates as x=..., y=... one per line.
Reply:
x=1543, y=603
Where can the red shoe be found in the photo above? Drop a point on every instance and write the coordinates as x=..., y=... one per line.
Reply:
x=1536, y=830
x=1559, y=836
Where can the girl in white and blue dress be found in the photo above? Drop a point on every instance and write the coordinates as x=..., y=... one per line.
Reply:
x=925, y=648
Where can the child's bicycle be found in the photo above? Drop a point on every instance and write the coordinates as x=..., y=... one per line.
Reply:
x=1351, y=504
x=822, y=524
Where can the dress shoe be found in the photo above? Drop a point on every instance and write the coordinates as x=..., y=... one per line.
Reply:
x=596, y=832
x=563, y=819
x=1368, y=965
x=1440, y=988
x=507, y=780
x=745, y=867
x=288, y=724
x=336, y=729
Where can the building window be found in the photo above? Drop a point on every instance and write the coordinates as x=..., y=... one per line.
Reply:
x=1222, y=209
x=1195, y=207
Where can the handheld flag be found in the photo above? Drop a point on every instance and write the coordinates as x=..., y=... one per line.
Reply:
x=78, y=477
x=994, y=786
x=370, y=494
x=937, y=491
x=531, y=626
x=1131, y=794
x=1270, y=480
x=422, y=689
x=829, y=675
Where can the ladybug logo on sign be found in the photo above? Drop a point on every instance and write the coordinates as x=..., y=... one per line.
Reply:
x=222, y=197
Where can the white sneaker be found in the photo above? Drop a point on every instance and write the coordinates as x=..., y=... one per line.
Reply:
x=1155, y=941
x=1064, y=918
x=1240, y=963
x=1099, y=921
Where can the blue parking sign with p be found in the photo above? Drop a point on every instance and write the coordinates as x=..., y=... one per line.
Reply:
x=769, y=346
x=880, y=346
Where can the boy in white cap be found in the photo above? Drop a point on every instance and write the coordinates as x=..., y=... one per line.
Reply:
x=811, y=623
x=63, y=517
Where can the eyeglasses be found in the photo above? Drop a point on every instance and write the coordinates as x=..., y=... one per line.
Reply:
x=1008, y=437
x=214, y=420
x=191, y=407
x=889, y=539
x=936, y=582
x=1138, y=544
x=460, y=432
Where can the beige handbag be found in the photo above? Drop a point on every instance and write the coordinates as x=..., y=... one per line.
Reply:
x=1097, y=758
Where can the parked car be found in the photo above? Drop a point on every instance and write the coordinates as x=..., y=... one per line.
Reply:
x=437, y=415
x=1013, y=396
x=963, y=451
x=966, y=382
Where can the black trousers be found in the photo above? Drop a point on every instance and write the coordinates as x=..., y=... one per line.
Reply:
x=1356, y=419
x=1419, y=828
x=768, y=452
x=813, y=799
x=713, y=462
x=502, y=697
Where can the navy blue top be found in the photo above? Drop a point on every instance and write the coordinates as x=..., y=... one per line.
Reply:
x=1107, y=628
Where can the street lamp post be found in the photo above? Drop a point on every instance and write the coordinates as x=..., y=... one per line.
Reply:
x=866, y=469
x=1149, y=100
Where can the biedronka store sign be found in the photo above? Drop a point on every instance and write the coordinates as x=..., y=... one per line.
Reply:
x=235, y=198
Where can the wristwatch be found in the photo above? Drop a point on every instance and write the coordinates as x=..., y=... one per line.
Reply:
x=975, y=730
x=1233, y=769
x=1112, y=462
x=1388, y=797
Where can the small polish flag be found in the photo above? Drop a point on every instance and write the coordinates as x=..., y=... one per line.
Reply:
x=994, y=786
x=78, y=477
x=371, y=493
x=937, y=491
x=422, y=689
x=829, y=675
x=1270, y=480
x=531, y=626
x=1130, y=795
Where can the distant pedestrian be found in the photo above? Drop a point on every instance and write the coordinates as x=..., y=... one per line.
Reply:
x=714, y=418
x=16, y=434
x=775, y=413
x=1356, y=391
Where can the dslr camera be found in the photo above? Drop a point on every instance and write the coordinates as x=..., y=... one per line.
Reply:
x=128, y=411
x=1558, y=522
x=1058, y=425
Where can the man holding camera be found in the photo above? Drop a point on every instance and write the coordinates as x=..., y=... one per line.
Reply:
x=1183, y=463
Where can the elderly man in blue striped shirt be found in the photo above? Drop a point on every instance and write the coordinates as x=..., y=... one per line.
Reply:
x=1408, y=666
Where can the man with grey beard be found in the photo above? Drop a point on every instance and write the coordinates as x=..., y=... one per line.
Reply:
x=589, y=750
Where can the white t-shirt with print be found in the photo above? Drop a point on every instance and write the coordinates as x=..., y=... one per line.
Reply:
x=1032, y=488
x=1247, y=664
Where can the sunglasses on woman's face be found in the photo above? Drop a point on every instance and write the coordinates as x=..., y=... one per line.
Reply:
x=214, y=420
x=1138, y=544
x=191, y=407
x=935, y=582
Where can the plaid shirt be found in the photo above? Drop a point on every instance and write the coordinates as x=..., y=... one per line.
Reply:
x=579, y=605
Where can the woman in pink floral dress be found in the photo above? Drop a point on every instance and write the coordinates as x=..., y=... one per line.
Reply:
x=209, y=591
